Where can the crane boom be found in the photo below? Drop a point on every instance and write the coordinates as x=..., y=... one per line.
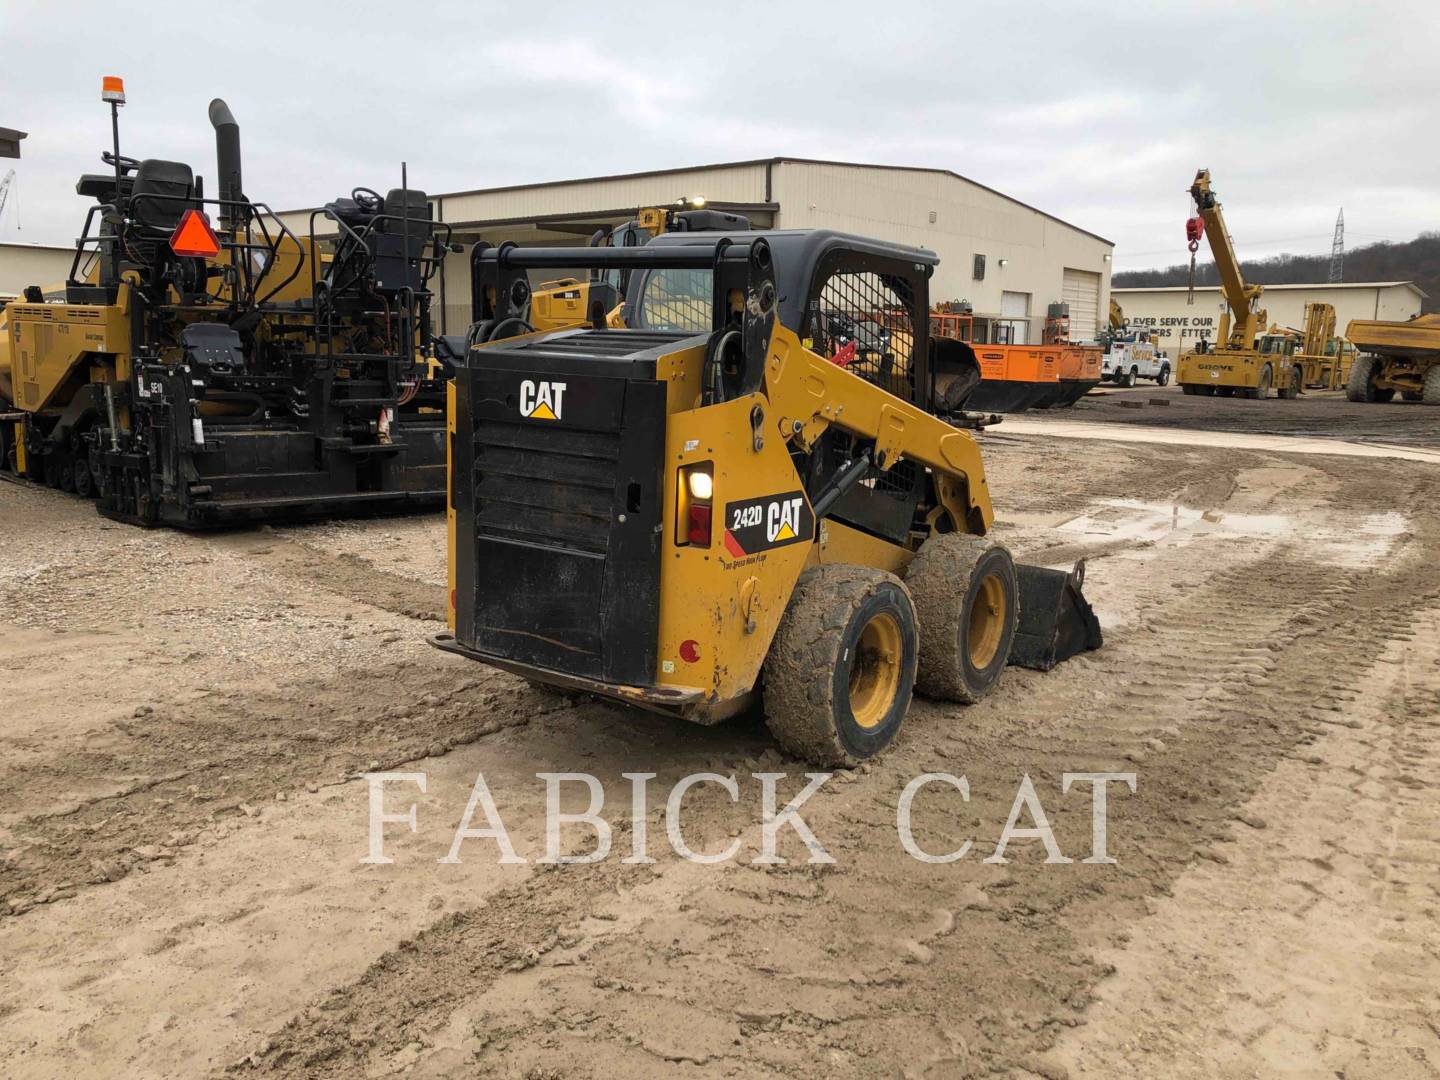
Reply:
x=1244, y=321
x=5, y=186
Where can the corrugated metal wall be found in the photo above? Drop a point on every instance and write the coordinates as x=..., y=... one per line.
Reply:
x=1178, y=325
x=30, y=264
x=1025, y=251
x=742, y=184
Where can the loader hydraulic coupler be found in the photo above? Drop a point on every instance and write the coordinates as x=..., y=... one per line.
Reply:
x=1056, y=621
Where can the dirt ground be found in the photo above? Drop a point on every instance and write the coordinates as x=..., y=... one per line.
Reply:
x=1316, y=413
x=182, y=826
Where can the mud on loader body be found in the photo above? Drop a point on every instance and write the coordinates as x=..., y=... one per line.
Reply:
x=727, y=503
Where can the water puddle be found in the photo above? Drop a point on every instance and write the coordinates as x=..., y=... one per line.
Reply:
x=1130, y=519
x=1337, y=539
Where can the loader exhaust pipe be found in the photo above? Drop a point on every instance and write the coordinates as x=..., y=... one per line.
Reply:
x=227, y=160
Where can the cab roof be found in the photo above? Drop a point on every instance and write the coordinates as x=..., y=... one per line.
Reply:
x=797, y=252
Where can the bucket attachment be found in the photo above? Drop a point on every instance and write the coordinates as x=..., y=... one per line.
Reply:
x=1056, y=621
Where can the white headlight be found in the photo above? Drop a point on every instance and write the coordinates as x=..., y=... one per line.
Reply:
x=701, y=484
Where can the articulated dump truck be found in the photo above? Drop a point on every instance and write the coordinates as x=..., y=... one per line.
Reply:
x=756, y=493
x=200, y=371
x=1395, y=357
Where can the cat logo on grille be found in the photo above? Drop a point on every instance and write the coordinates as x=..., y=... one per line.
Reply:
x=542, y=400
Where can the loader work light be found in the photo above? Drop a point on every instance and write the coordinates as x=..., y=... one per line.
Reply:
x=112, y=89
x=694, y=512
x=702, y=485
x=194, y=238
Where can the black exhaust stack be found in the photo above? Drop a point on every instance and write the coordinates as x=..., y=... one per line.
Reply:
x=227, y=159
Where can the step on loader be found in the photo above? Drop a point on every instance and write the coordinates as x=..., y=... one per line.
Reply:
x=742, y=498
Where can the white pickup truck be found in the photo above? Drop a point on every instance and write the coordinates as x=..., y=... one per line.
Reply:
x=1133, y=356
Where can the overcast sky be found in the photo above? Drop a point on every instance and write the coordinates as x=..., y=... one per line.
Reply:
x=1099, y=114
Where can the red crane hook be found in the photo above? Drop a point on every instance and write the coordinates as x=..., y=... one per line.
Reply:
x=1194, y=230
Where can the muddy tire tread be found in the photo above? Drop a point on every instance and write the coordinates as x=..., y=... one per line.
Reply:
x=945, y=563
x=1430, y=387
x=800, y=667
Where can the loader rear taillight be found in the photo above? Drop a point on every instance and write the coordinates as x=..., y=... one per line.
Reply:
x=694, y=512
x=699, y=525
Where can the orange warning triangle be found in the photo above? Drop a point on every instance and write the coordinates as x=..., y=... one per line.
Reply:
x=543, y=412
x=194, y=238
x=785, y=533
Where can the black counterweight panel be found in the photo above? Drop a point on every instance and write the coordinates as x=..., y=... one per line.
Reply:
x=558, y=503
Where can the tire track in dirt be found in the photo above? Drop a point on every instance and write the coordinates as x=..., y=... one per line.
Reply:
x=237, y=751
x=803, y=971
x=345, y=574
x=1311, y=949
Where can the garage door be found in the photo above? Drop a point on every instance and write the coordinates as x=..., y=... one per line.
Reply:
x=1081, y=290
x=1016, y=305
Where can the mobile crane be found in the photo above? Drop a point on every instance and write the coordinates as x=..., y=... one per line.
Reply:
x=1245, y=361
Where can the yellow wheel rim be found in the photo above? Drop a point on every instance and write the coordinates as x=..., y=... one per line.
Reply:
x=987, y=621
x=875, y=672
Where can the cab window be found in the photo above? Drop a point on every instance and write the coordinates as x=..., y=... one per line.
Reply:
x=677, y=299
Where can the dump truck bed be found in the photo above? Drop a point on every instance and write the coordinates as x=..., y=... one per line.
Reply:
x=1420, y=336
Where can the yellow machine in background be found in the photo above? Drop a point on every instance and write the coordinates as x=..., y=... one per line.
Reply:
x=200, y=374
x=1238, y=363
x=1324, y=358
x=734, y=500
x=1395, y=357
x=570, y=301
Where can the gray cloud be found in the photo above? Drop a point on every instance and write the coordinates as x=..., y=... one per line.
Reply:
x=1097, y=113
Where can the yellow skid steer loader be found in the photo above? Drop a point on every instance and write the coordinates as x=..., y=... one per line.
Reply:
x=743, y=497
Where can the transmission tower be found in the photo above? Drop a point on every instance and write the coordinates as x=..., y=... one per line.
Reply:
x=1337, y=249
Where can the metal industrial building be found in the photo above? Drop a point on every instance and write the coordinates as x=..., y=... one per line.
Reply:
x=1179, y=324
x=1004, y=257
x=33, y=264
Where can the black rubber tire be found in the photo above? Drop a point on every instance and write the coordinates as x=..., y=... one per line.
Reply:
x=1430, y=395
x=1224, y=391
x=1189, y=388
x=1361, y=386
x=1291, y=392
x=1163, y=379
x=807, y=671
x=84, y=479
x=944, y=580
x=1131, y=377
x=1412, y=395
x=1262, y=391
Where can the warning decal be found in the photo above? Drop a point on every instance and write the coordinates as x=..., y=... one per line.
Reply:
x=771, y=521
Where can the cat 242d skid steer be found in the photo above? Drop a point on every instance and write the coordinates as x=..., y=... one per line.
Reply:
x=749, y=495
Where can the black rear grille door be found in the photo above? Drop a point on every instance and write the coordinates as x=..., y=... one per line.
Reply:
x=558, y=525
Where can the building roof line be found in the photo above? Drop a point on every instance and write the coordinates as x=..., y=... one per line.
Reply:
x=1271, y=288
x=537, y=185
